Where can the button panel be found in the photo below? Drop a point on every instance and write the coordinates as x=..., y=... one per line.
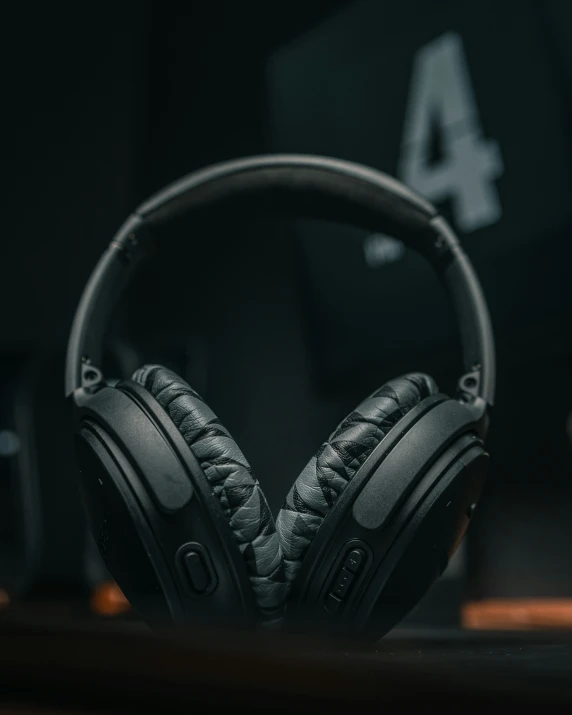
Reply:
x=332, y=603
x=354, y=560
x=342, y=583
x=351, y=566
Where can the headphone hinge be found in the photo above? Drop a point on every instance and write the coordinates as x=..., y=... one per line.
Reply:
x=92, y=378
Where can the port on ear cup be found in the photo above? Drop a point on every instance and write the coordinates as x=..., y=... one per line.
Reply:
x=239, y=494
x=336, y=462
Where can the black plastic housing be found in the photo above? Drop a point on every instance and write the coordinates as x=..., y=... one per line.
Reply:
x=303, y=186
x=407, y=508
x=147, y=498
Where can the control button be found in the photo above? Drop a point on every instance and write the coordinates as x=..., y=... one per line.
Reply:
x=343, y=582
x=197, y=571
x=354, y=560
x=332, y=603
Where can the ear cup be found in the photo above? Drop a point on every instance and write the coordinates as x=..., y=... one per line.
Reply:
x=230, y=476
x=336, y=462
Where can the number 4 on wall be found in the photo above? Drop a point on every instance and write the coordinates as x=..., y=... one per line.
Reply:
x=441, y=98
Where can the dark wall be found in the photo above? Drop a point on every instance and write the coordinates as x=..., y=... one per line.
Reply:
x=71, y=119
x=72, y=87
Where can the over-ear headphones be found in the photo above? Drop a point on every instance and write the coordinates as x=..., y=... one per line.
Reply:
x=372, y=520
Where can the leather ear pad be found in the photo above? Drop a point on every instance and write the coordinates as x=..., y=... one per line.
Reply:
x=328, y=472
x=229, y=474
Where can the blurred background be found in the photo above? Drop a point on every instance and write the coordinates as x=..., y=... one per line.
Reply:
x=285, y=327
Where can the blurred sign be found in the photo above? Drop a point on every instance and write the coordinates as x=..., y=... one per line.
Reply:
x=471, y=113
x=441, y=93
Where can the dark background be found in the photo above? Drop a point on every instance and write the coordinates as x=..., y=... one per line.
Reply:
x=284, y=328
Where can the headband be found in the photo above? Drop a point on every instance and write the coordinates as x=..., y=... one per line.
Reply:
x=299, y=186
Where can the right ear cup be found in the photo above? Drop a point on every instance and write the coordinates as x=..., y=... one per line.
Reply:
x=230, y=477
x=336, y=462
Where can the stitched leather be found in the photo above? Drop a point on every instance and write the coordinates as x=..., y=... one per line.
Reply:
x=336, y=462
x=230, y=476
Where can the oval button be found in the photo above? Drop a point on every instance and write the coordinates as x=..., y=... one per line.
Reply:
x=197, y=571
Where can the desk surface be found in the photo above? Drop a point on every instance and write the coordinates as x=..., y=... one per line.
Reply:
x=128, y=669
x=541, y=655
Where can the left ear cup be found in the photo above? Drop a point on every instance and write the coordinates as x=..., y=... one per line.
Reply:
x=336, y=462
x=231, y=480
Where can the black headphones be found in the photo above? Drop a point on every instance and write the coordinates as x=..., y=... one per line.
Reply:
x=370, y=523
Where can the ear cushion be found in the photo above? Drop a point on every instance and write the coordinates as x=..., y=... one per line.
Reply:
x=230, y=476
x=333, y=466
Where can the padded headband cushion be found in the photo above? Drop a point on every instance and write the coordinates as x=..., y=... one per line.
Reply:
x=231, y=479
x=329, y=471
